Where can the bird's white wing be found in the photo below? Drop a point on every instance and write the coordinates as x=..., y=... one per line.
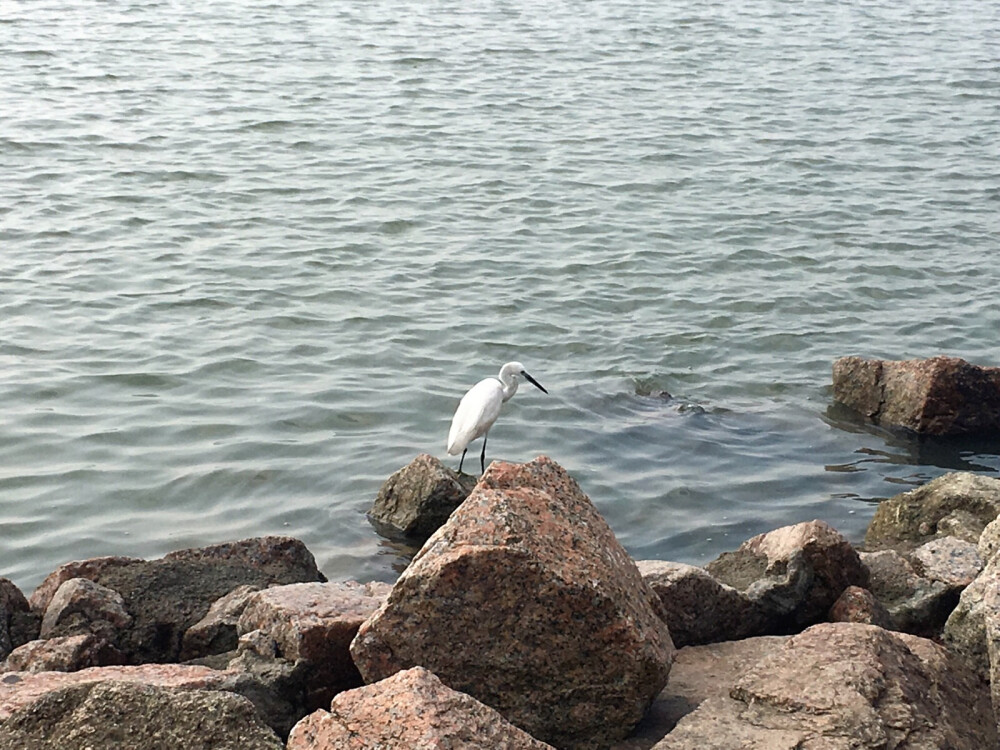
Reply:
x=476, y=413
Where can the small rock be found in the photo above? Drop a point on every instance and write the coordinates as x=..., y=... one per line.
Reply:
x=860, y=605
x=418, y=498
x=18, y=624
x=412, y=710
x=63, y=654
x=916, y=604
x=215, y=633
x=948, y=559
x=937, y=396
x=82, y=606
x=525, y=600
x=792, y=575
x=89, y=569
x=845, y=686
x=315, y=623
x=137, y=717
x=961, y=504
x=698, y=608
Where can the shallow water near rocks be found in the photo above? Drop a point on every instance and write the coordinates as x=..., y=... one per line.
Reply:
x=252, y=255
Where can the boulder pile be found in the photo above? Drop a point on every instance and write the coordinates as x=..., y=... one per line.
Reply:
x=523, y=623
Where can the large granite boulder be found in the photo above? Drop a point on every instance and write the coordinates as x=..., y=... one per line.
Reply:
x=314, y=623
x=412, y=710
x=698, y=608
x=18, y=624
x=960, y=504
x=845, y=686
x=525, y=600
x=418, y=498
x=937, y=396
x=165, y=597
x=137, y=717
x=792, y=575
x=966, y=629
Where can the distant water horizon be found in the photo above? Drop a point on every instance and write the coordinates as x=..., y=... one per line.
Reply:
x=254, y=254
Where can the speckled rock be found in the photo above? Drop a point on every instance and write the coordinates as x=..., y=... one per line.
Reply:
x=167, y=596
x=63, y=654
x=698, y=608
x=525, y=600
x=948, y=559
x=965, y=630
x=216, y=632
x=90, y=569
x=958, y=504
x=845, y=686
x=989, y=541
x=18, y=624
x=418, y=498
x=82, y=606
x=137, y=717
x=860, y=605
x=937, y=396
x=792, y=575
x=315, y=623
x=412, y=710
x=917, y=605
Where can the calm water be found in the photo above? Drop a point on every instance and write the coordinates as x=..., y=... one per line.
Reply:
x=251, y=255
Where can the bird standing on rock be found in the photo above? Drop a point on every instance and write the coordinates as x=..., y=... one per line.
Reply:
x=479, y=408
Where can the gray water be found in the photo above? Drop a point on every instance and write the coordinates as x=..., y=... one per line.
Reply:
x=252, y=255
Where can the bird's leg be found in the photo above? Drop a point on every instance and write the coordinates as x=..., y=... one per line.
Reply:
x=461, y=460
x=482, y=457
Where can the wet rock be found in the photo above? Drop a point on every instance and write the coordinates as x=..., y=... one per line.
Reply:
x=966, y=628
x=63, y=654
x=959, y=504
x=698, y=608
x=916, y=604
x=315, y=623
x=860, y=605
x=845, y=686
x=216, y=632
x=948, y=559
x=82, y=606
x=167, y=596
x=412, y=710
x=418, y=498
x=792, y=575
x=18, y=624
x=137, y=717
x=937, y=396
x=525, y=600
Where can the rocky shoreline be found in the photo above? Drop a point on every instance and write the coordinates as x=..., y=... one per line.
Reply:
x=523, y=623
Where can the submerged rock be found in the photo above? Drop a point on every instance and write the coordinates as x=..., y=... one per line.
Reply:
x=412, y=710
x=937, y=396
x=960, y=504
x=845, y=686
x=418, y=498
x=525, y=600
x=792, y=575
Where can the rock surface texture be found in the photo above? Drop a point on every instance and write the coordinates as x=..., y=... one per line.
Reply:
x=412, y=710
x=937, y=396
x=525, y=600
x=418, y=498
x=792, y=575
x=18, y=624
x=131, y=716
x=959, y=504
x=845, y=686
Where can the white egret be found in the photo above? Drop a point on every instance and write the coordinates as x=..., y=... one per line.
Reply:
x=479, y=408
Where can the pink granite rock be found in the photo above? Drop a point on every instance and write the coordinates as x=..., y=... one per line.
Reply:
x=937, y=396
x=792, y=575
x=418, y=498
x=315, y=623
x=89, y=569
x=412, y=710
x=525, y=600
x=856, y=604
x=63, y=654
x=216, y=632
x=82, y=606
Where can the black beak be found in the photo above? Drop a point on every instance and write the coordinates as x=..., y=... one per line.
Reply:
x=533, y=382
